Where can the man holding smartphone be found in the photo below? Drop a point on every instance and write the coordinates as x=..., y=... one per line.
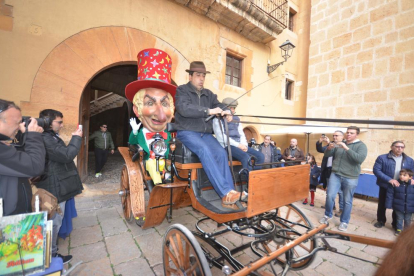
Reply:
x=61, y=176
x=326, y=165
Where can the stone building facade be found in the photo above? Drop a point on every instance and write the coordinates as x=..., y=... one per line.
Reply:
x=361, y=66
x=72, y=55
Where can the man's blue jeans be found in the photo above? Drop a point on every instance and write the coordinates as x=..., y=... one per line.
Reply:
x=348, y=186
x=401, y=217
x=244, y=157
x=57, y=223
x=213, y=157
x=340, y=200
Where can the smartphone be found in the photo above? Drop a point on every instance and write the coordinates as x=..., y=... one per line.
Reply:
x=80, y=127
x=323, y=135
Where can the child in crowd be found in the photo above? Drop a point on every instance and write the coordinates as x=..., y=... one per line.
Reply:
x=314, y=174
x=401, y=199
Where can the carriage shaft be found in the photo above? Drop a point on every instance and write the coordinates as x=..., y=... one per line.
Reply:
x=268, y=258
x=361, y=239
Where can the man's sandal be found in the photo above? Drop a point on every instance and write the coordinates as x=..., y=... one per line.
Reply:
x=230, y=198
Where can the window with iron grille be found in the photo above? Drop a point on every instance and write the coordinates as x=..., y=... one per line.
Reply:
x=289, y=89
x=292, y=16
x=233, y=70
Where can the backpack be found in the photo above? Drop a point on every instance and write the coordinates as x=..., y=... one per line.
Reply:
x=47, y=202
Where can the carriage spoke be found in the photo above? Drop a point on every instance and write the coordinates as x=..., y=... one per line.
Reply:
x=172, y=243
x=288, y=213
x=304, y=247
x=172, y=257
x=192, y=269
x=187, y=256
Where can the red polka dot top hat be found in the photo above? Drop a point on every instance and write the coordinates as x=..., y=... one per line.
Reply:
x=154, y=71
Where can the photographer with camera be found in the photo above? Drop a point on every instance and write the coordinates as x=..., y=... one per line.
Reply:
x=61, y=176
x=16, y=166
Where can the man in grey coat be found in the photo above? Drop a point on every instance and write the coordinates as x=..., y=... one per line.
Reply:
x=16, y=166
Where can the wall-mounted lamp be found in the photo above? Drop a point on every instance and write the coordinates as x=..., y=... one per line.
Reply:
x=286, y=50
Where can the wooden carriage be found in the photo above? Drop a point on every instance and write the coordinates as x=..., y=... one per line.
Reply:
x=281, y=233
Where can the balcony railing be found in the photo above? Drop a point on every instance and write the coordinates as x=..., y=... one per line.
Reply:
x=276, y=9
x=258, y=20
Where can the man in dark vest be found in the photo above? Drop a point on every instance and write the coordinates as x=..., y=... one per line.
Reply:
x=238, y=143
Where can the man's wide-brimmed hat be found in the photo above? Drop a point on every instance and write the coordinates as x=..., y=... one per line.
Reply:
x=197, y=66
x=154, y=71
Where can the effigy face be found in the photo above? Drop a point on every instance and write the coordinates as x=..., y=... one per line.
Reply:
x=154, y=108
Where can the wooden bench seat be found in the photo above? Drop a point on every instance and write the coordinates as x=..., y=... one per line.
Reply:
x=190, y=166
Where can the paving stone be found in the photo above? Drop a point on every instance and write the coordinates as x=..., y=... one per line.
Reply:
x=85, y=219
x=326, y=268
x=376, y=251
x=136, y=231
x=134, y=267
x=86, y=235
x=122, y=248
x=357, y=267
x=89, y=253
x=107, y=214
x=87, y=206
x=162, y=228
x=113, y=226
x=151, y=247
x=63, y=245
x=98, y=267
x=361, y=254
x=159, y=270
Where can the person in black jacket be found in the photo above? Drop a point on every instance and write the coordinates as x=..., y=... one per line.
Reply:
x=387, y=169
x=194, y=104
x=326, y=166
x=270, y=152
x=401, y=199
x=313, y=181
x=61, y=176
x=17, y=166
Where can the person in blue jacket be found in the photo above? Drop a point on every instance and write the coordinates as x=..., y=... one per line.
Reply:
x=387, y=169
x=401, y=200
x=314, y=175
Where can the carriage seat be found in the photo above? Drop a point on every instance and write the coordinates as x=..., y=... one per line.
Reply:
x=182, y=154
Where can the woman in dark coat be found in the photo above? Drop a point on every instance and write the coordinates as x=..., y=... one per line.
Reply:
x=314, y=175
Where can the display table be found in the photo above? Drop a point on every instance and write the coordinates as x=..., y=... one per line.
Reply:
x=367, y=185
x=55, y=268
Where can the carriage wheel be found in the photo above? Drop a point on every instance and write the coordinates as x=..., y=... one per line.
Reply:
x=285, y=219
x=125, y=196
x=182, y=254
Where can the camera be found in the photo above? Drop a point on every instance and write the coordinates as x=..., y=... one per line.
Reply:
x=42, y=122
x=20, y=139
x=323, y=135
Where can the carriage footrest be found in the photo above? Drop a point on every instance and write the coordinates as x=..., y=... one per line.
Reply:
x=210, y=200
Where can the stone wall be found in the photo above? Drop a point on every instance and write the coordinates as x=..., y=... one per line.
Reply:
x=361, y=66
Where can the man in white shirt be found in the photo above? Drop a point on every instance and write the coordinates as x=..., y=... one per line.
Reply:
x=238, y=143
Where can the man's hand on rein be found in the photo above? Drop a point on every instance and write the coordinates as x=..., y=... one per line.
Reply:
x=215, y=111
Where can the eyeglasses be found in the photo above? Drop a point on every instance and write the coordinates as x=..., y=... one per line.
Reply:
x=104, y=126
x=59, y=122
x=336, y=135
x=399, y=147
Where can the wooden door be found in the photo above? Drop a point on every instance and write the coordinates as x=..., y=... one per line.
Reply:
x=84, y=121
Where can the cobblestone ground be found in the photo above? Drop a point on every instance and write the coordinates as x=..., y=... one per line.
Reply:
x=108, y=245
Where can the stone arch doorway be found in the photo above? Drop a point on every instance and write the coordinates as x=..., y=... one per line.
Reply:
x=251, y=132
x=68, y=69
